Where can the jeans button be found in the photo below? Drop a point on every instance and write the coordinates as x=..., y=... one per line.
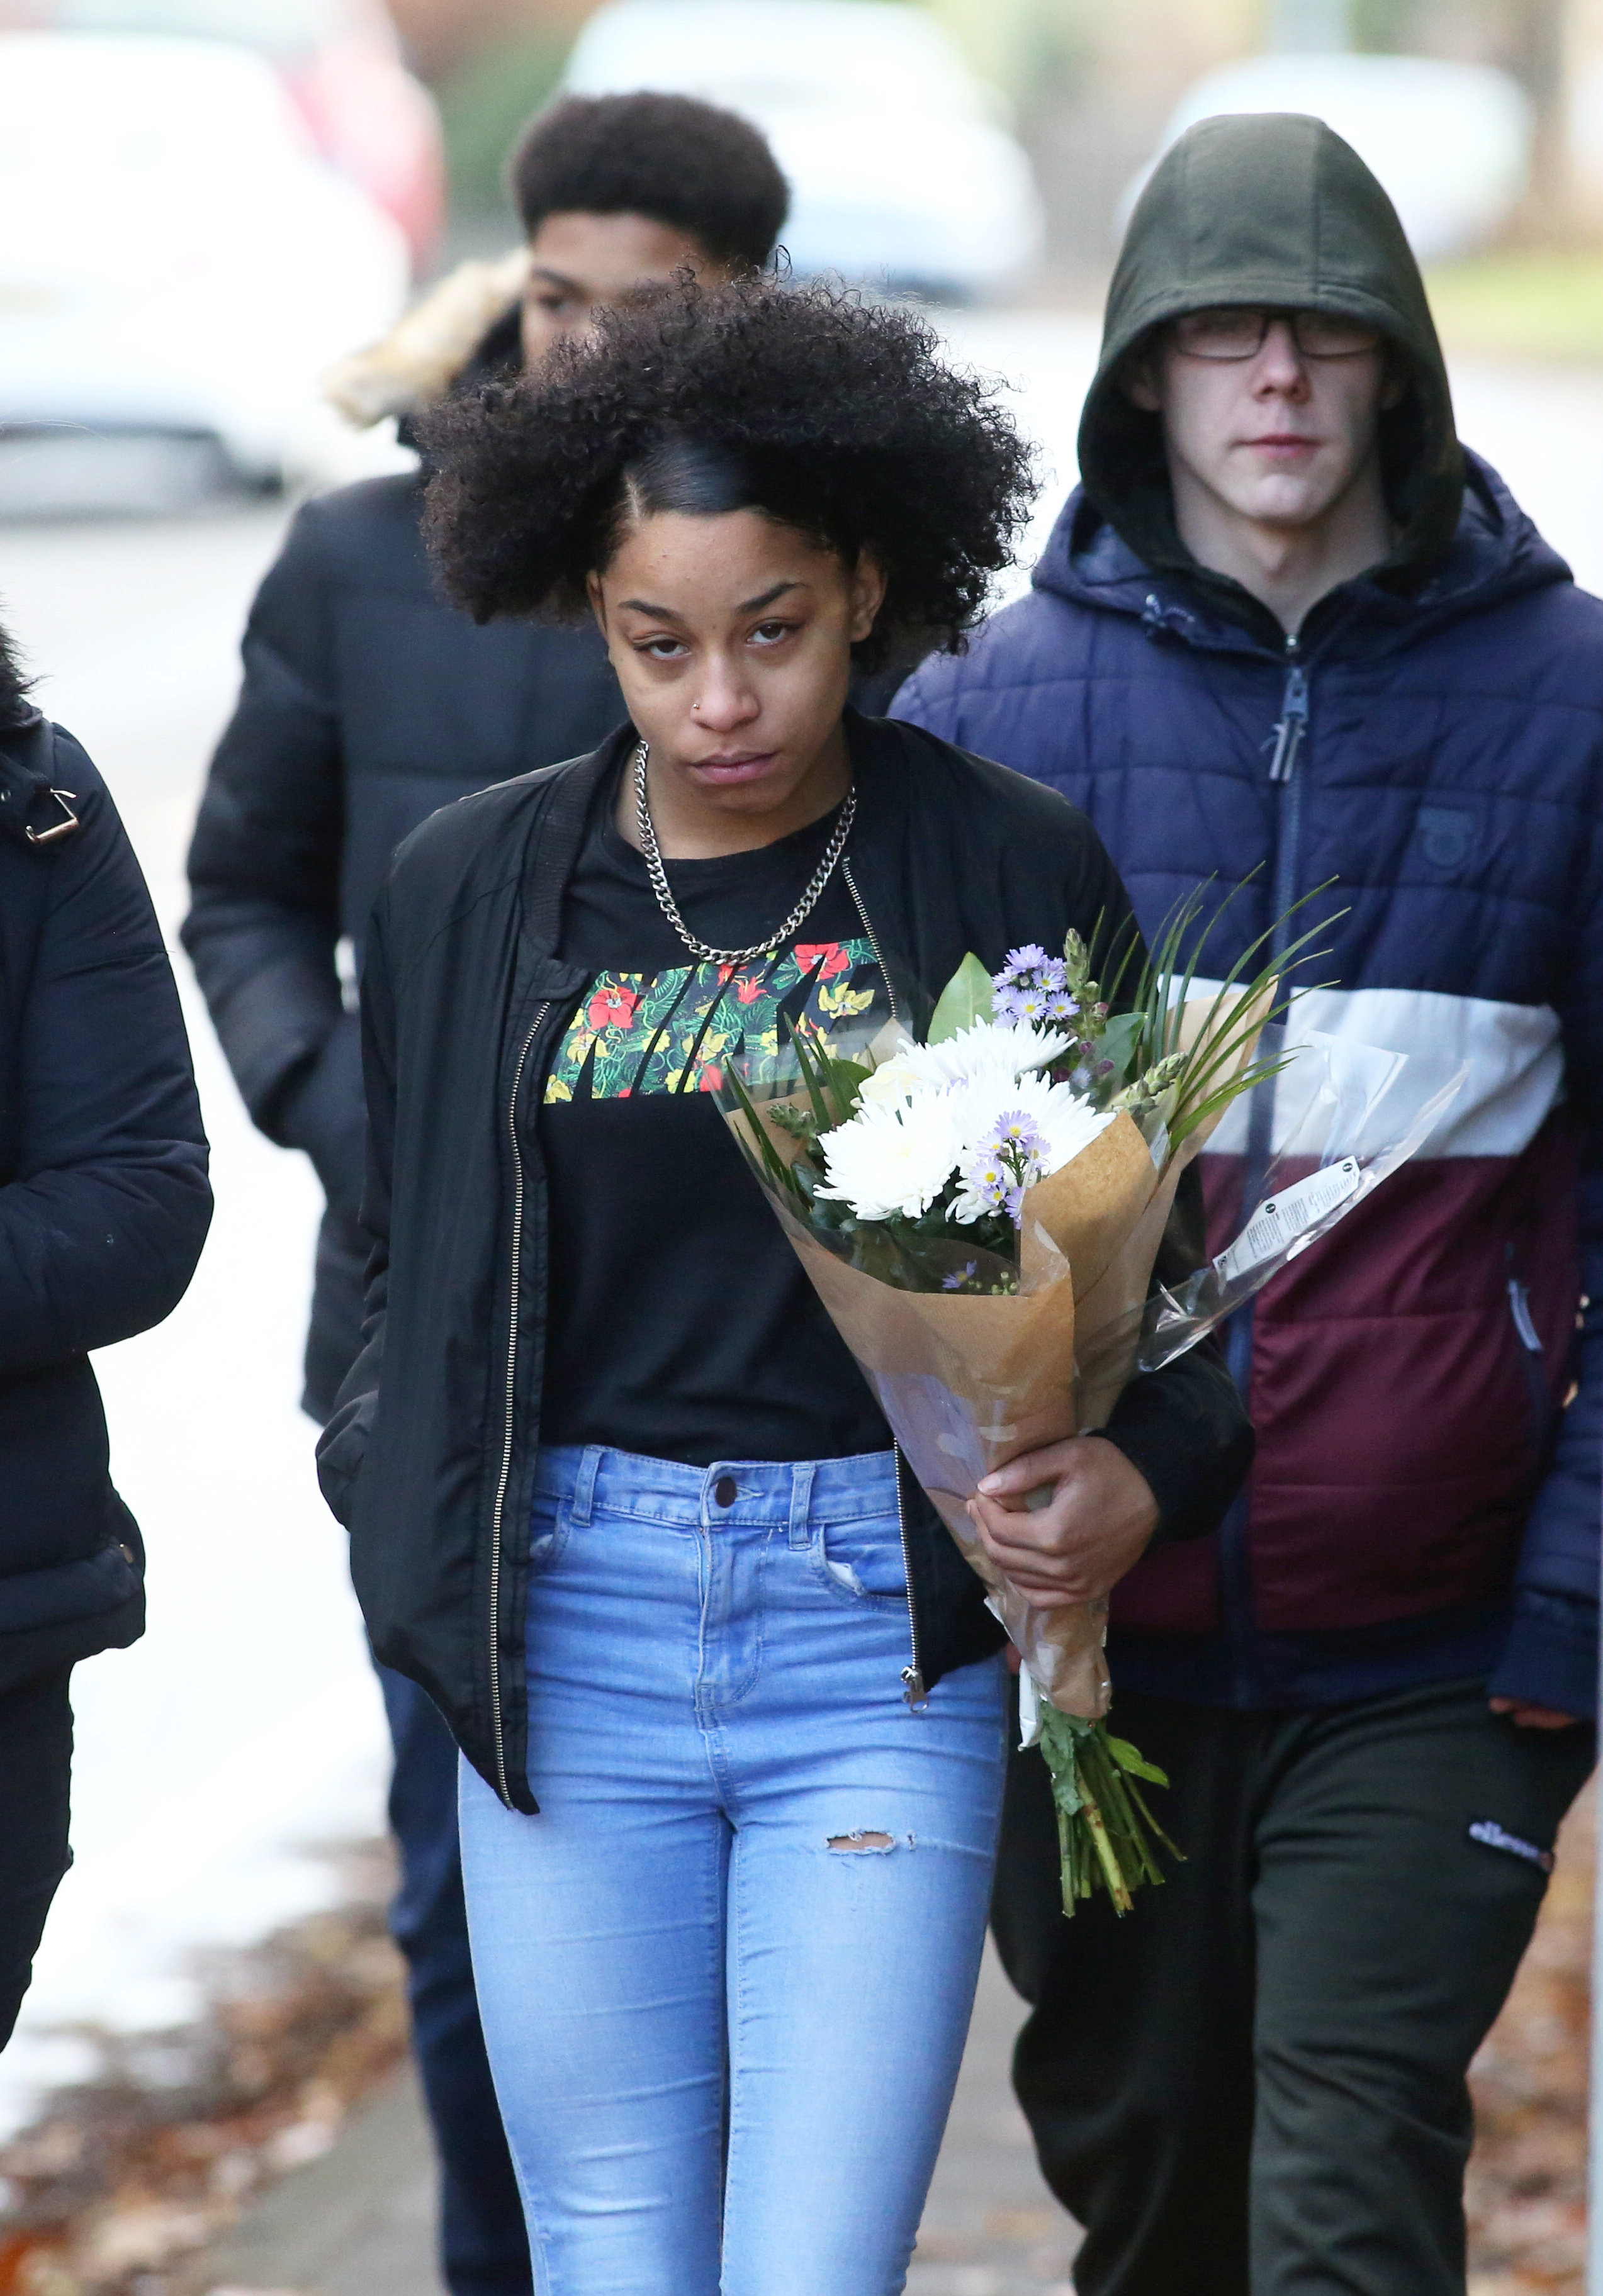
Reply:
x=724, y=1490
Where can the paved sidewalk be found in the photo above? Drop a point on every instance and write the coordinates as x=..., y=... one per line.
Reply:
x=359, y=2221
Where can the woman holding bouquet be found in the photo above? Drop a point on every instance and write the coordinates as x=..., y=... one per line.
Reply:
x=728, y=1698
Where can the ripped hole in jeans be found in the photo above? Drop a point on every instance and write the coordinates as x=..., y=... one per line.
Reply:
x=866, y=1558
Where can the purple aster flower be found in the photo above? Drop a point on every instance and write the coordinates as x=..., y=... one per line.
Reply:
x=1024, y=963
x=988, y=1178
x=1016, y=1134
x=1006, y=1164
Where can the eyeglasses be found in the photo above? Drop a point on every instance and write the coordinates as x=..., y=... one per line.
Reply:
x=1232, y=333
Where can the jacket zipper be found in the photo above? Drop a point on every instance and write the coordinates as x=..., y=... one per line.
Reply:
x=873, y=937
x=1532, y=1353
x=1290, y=736
x=506, y=1445
x=914, y=1691
x=912, y=1674
x=1519, y=1303
x=1294, y=719
x=1289, y=731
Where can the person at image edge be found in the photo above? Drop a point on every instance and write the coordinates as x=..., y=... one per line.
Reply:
x=103, y=1209
x=1290, y=642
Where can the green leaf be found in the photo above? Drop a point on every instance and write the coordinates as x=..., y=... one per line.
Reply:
x=846, y=1080
x=1120, y=1043
x=759, y=1148
x=965, y=1000
x=1128, y=1758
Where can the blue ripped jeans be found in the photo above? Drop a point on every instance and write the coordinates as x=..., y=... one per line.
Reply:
x=726, y=1974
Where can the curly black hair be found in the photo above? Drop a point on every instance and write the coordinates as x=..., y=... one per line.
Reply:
x=15, y=708
x=705, y=171
x=831, y=415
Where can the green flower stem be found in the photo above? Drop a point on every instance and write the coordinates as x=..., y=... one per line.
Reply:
x=1106, y=1833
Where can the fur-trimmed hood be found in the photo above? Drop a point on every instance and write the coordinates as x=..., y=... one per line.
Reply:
x=428, y=350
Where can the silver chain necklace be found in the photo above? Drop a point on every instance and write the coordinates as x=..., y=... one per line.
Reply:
x=793, y=924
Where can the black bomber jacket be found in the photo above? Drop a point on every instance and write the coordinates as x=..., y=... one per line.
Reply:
x=429, y=1456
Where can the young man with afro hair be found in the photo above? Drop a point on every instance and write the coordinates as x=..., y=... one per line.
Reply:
x=368, y=702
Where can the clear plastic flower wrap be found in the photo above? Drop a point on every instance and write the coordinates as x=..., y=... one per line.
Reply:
x=980, y=1212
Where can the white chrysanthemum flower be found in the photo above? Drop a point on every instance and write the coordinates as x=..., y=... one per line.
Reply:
x=895, y=1079
x=926, y=1115
x=991, y=1048
x=891, y=1157
x=1061, y=1121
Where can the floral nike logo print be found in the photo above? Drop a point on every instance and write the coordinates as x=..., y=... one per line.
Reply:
x=672, y=1031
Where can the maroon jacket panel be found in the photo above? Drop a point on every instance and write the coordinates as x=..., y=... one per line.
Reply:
x=1402, y=1421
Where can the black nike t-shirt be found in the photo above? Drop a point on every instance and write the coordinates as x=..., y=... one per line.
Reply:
x=680, y=1322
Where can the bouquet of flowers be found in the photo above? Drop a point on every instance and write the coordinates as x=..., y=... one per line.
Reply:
x=980, y=1213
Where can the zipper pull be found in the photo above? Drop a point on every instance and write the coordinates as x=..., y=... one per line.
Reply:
x=1524, y=1322
x=915, y=1695
x=1293, y=724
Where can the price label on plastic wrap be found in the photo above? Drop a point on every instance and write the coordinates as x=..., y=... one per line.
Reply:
x=1283, y=1224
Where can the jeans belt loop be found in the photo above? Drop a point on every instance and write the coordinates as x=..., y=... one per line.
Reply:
x=802, y=1475
x=584, y=1484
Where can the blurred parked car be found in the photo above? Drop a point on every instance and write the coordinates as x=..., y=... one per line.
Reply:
x=177, y=260
x=1452, y=143
x=341, y=62
x=902, y=172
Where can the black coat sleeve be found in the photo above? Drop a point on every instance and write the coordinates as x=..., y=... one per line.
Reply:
x=105, y=1203
x=263, y=871
x=1185, y=1427
x=344, y=1441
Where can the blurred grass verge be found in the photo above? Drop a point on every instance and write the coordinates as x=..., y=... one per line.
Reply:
x=1522, y=303
x=483, y=103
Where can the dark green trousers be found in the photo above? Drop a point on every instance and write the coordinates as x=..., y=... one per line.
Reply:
x=1255, y=2084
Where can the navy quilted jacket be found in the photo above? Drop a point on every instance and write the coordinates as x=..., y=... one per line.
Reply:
x=1426, y=1500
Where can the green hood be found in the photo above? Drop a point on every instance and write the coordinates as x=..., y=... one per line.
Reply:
x=1269, y=208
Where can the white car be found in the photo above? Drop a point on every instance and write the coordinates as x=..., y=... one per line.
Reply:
x=341, y=62
x=902, y=173
x=1451, y=143
x=175, y=259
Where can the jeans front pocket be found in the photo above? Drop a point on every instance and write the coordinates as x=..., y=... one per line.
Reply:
x=860, y=1558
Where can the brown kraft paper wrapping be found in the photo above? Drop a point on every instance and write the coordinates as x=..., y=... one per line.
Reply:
x=968, y=1383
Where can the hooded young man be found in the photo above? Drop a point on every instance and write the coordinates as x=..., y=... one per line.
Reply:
x=1288, y=634
x=367, y=704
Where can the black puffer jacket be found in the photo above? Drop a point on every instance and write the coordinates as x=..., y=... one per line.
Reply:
x=430, y=1454
x=103, y=1200
x=367, y=702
